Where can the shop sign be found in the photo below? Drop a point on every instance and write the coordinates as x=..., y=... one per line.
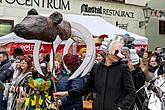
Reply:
x=53, y=4
x=91, y=10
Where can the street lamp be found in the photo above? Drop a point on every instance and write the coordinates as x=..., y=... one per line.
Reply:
x=147, y=14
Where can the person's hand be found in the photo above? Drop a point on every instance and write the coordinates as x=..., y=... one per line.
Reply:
x=60, y=94
x=59, y=102
x=12, y=89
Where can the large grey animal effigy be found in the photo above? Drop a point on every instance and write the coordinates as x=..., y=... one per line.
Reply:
x=54, y=29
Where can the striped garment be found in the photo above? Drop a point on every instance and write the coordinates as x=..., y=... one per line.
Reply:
x=20, y=83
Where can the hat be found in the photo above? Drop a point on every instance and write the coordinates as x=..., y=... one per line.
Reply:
x=134, y=57
x=71, y=61
x=102, y=54
x=18, y=52
x=125, y=50
x=82, y=50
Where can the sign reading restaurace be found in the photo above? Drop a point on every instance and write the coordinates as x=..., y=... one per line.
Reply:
x=103, y=11
x=53, y=4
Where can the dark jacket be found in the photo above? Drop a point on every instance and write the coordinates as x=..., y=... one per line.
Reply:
x=5, y=75
x=139, y=80
x=5, y=72
x=113, y=84
x=65, y=85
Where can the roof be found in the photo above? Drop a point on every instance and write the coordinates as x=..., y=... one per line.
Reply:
x=98, y=26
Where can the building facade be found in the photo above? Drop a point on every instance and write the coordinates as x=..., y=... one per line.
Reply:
x=125, y=14
x=155, y=30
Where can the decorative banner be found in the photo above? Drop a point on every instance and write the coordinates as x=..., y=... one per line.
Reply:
x=46, y=48
x=28, y=48
x=138, y=47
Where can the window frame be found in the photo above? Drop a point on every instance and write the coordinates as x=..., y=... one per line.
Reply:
x=161, y=32
x=6, y=21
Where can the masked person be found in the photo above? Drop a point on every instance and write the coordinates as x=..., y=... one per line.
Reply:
x=112, y=81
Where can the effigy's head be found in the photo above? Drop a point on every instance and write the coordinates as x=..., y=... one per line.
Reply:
x=35, y=26
x=39, y=84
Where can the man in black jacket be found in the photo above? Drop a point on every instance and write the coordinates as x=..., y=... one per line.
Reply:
x=112, y=81
x=5, y=75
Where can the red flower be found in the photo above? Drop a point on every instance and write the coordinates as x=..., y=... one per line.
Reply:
x=103, y=36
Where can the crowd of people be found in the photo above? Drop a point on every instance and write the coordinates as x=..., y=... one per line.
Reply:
x=121, y=79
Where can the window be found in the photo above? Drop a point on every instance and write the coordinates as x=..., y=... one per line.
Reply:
x=123, y=1
x=161, y=27
x=6, y=26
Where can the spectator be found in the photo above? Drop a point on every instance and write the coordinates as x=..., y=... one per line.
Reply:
x=157, y=51
x=100, y=57
x=20, y=86
x=138, y=78
x=18, y=54
x=43, y=63
x=64, y=84
x=5, y=76
x=152, y=67
x=144, y=61
x=82, y=53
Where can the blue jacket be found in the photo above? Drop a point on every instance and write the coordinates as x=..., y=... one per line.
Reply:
x=5, y=75
x=64, y=85
x=5, y=72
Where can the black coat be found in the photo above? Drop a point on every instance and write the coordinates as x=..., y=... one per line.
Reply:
x=138, y=78
x=139, y=81
x=113, y=86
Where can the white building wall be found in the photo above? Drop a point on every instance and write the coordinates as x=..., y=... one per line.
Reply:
x=137, y=2
x=16, y=11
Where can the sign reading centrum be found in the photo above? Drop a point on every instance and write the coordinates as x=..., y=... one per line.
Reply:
x=103, y=11
x=53, y=4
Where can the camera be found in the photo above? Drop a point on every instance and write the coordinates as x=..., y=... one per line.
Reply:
x=161, y=62
x=161, y=59
x=129, y=42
